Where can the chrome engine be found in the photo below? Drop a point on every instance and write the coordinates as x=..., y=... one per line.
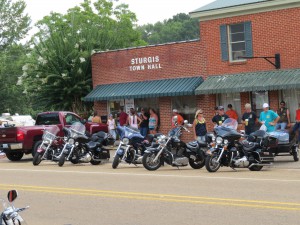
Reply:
x=86, y=158
x=241, y=162
x=181, y=161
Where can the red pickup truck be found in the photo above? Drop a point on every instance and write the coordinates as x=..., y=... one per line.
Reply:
x=17, y=141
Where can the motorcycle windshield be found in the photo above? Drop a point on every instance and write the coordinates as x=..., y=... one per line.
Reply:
x=130, y=133
x=77, y=129
x=228, y=128
x=50, y=133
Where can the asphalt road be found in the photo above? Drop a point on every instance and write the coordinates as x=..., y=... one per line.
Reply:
x=87, y=195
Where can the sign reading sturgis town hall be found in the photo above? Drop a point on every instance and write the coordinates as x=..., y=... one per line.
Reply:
x=145, y=63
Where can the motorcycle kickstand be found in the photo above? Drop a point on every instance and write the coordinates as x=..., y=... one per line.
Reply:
x=233, y=169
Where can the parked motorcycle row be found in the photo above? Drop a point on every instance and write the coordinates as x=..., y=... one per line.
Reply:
x=224, y=147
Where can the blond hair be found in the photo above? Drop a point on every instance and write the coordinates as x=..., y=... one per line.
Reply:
x=247, y=106
x=198, y=111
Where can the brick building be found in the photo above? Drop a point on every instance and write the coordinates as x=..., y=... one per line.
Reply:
x=219, y=68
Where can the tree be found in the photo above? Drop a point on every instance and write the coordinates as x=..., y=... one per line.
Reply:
x=59, y=68
x=14, y=24
x=180, y=28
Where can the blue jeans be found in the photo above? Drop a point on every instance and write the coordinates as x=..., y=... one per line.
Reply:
x=201, y=138
x=144, y=131
x=281, y=126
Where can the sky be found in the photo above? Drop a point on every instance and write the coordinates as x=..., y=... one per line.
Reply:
x=147, y=11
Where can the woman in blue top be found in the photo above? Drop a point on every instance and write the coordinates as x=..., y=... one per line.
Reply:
x=199, y=126
x=268, y=117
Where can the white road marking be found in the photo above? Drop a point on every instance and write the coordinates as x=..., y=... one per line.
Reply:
x=152, y=175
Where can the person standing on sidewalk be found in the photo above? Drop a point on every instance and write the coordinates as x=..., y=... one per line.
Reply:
x=297, y=124
x=112, y=126
x=231, y=113
x=268, y=117
x=284, y=115
x=199, y=127
x=145, y=122
x=153, y=121
x=122, y=117
x=249, y=119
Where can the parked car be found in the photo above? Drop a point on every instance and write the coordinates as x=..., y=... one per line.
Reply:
x=17, y=141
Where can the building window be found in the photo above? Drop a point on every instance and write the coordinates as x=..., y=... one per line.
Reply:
x=231, y=98
x=258, y=98
x=186, y=106
x=236, y=41
x=292, y=99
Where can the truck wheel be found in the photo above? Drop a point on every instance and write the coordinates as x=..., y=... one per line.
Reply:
x=14, y=156
x=36, y=145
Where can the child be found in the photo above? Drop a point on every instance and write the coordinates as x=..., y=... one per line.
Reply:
x=111, y=126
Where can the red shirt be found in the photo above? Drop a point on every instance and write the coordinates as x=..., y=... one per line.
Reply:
x=179, y=120
x=123, y=118
x=298, y=114
x=232, y=114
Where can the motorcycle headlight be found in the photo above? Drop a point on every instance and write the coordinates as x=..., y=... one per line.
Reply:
x=219, y=140
x=125, y=141
x=71, y=141
x=225, y=142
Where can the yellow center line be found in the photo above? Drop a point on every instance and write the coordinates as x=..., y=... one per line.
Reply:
x=159, y=197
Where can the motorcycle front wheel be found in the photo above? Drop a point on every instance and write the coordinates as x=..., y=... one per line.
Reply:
x=37, y=158
x=116, y=161
x=149, y=163
x=211, y=163
x=62, y=160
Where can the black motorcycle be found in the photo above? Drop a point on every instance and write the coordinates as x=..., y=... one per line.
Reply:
x=131, y=147
x=79, y=148
x=173, y=151
x=227, y=150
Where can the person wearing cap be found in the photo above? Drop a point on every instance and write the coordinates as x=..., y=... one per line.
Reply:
x=231, y=112
x=284, y=115
x=199, y=127
x=111, y=126
x=249, y=119
x=268, y=117
x=179, y=119
x=220, y=117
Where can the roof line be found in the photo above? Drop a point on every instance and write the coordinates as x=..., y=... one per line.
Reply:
x=147, y=46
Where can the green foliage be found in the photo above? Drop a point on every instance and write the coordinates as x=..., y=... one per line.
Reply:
x=13, y=98
x=180, y=28
x=59, y=68
x=14, y=24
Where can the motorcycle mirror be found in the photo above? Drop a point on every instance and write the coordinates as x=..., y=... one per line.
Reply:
x=185, y=122
x=12, y=195
x=175, y=118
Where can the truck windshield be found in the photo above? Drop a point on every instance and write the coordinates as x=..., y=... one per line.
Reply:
x=47, y=119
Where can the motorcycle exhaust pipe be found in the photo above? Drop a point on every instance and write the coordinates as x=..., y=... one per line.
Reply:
x=260, y=164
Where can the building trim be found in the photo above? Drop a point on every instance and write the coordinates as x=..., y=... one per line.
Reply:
x=147, y=46
x=247, y=9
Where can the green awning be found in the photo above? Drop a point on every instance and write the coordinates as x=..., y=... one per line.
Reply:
x=254, y=81
x=145, y=89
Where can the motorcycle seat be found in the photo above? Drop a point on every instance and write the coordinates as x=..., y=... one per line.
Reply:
x=92, y=145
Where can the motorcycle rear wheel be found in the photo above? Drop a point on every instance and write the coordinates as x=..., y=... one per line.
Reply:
x=255, y=168
x=95, y=163
x=62, y=160
x=148, y=161
x=211, y=164
x=37, y=159
x=198, y=163
x=116, y=161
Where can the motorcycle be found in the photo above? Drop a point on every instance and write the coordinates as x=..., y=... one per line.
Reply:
x=10, y=214
x=131, y=147
x=79, y=148
x=227, y=150
x=174, y=152
x=50, y=147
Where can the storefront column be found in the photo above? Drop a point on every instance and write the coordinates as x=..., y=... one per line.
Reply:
x=165, y=114
x=101, y=108
x=274, y=100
